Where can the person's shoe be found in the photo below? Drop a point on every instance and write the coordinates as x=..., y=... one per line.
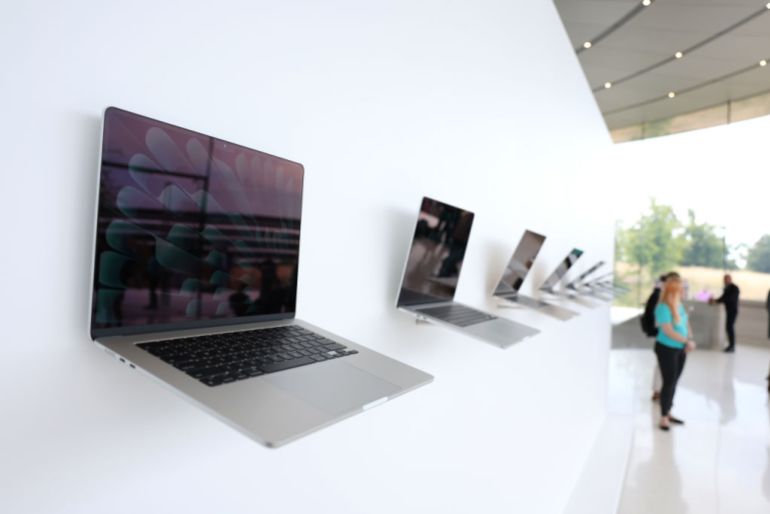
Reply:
x=675, y=421
x=656, y=395
x=730, y=349
x=663, y=427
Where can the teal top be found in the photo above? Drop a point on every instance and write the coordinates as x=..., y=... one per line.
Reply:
x=664, y=315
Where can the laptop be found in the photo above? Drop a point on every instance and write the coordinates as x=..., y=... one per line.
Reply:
x=509, y=286
x=195, y=284
x=561, y=270
x=607, y=284
x=602, y=279
x=432, y=272
x=576, y=284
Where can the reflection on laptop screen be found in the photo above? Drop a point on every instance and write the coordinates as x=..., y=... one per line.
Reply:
x=521, y=262
x=437, y=252
x=562, y=269
x=191, y=229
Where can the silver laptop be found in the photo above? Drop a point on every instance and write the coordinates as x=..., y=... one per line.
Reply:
x=579, y=282
x=606, y=284
x=555, y=278
x=509, y=287
x=433, y=269
x=601, y=280
x=590, y=288
x=195, y=284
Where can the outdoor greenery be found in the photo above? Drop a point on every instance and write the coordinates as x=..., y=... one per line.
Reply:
x=702, y=246
x=758, y=258
x=654, y=242
x=659, y=242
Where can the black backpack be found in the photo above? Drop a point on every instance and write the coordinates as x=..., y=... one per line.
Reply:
x=647, y=319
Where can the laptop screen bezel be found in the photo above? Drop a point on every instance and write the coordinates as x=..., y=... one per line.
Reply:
x=409, y=253
x=184, y=325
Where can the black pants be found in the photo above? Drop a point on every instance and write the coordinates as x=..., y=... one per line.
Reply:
x=671, y=362
x=730, y=328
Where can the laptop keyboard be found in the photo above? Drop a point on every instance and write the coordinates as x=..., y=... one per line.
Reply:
x=457, y=314
x=223, y=358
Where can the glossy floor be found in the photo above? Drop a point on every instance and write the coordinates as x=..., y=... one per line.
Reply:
x=719, y=462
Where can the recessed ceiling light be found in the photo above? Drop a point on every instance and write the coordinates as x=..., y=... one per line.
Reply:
x=671, y=94
x=646, y=2
x=767, y=5
x=607, y=85
x=763, y=62
x=587, y=44
x=679, y=55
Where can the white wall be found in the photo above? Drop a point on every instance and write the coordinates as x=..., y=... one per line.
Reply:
x=479, y=103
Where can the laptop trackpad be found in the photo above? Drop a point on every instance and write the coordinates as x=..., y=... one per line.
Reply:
x=334, y=387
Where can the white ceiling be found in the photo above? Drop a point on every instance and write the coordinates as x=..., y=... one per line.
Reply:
x=655, y=34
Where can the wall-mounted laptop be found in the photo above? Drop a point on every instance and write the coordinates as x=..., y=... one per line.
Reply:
x=592, y=287
x=432, y=272
x=516, y=272
x=561, y=270
x=195, y=284
x=576, y=284
x=607, y=284
x=601, y=279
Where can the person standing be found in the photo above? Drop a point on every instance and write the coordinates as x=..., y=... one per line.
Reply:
x=730, y=297
x=672, y=344
x=650, y=330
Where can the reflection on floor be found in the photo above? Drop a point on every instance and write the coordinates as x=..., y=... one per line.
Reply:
x=719, y=462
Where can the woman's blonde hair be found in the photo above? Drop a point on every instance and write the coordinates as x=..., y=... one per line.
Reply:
x=671, y=294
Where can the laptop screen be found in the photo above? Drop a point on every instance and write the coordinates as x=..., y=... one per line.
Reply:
x=562, y=269
x=191, y=230
x=436, y=255
x=521, y=262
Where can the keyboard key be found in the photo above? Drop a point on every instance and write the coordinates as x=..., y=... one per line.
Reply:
x=287, y=364
x=207, y=372
x=229, y=357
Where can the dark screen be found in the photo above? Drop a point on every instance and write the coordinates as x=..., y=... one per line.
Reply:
x=437, y=253
x=562, y=269
x=191, y=229
x=521, y=262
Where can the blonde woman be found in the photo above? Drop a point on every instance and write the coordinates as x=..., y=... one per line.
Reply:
x=672, y=344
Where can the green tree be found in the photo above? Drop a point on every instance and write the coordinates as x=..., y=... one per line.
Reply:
x=620, y=242
x=652, y=241
x=702, y=246
x=737, y=253
x=758, y=257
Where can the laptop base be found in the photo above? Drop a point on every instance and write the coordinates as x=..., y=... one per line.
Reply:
x=277, y=408
x=499, y=332
x=549, y=309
